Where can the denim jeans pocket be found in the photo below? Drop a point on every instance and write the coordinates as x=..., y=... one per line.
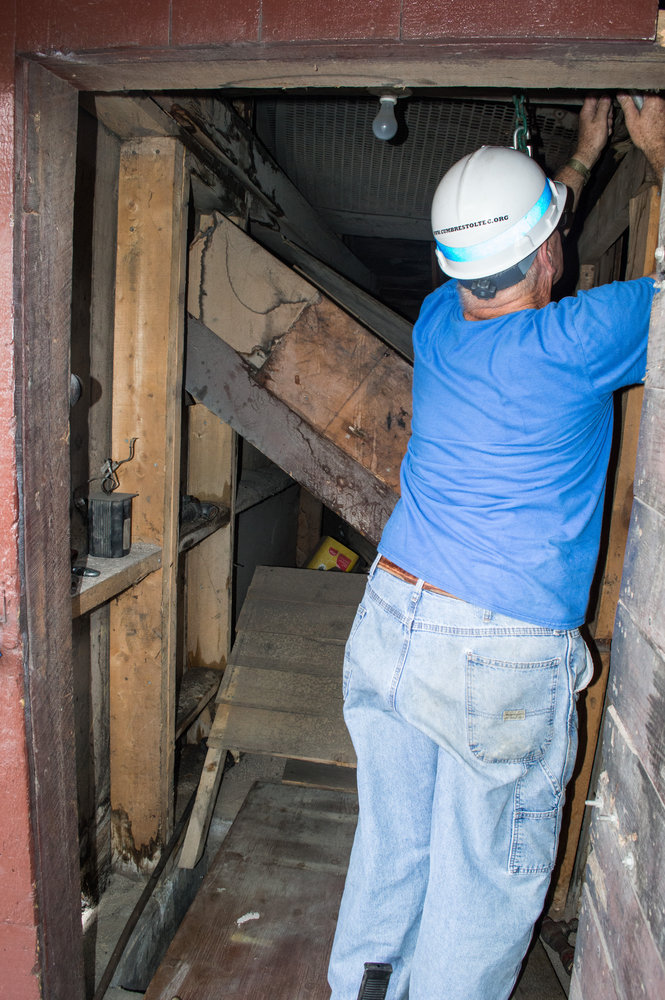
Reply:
x=357, y=622
x=534, y=843
x=510, y=708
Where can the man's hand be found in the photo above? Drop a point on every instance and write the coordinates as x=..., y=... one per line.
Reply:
x=647, y=128
x=594, y=129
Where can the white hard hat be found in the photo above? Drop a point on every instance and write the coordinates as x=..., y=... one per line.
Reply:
x=491, y=211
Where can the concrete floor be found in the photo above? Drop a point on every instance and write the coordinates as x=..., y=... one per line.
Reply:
x=539, y=979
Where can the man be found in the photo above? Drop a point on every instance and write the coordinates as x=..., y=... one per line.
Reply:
x=465, y=658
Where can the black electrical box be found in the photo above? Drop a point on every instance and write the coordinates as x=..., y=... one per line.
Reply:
x=110, y=524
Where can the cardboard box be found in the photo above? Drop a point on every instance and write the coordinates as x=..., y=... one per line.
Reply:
x=331, y=554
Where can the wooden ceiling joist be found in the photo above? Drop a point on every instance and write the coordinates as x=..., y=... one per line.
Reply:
x=594, y=64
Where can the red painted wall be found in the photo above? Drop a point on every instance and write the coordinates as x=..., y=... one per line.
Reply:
x=48, y=25
x=57, y=25
x=18, y=934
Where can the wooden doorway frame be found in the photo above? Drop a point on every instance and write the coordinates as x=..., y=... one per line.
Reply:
x=47, y=102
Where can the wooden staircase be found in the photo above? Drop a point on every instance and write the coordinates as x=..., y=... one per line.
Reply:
x=282, y=690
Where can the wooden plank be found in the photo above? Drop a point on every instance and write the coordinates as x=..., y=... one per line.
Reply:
x=622, y=502
x=115, y=575
x=610, y=215
x=345, y=382
x=592, y=978
x=321, y=361
x=286, y=439
x=305, y=772
x=587, y=64
x=372, y=314
x=643, y=215
x=311, y=356
x=281, y=693
x=257, y=485
x=206, y=796
x=624, y=872
x=100, y=745
x=635, y=963
x=197, y=687
x=211, y=475
x=374, y=425
x=131, y=117
x=634, y=827
x=245, y=295
x=285, y=691
x=650, y=471
x=637, y=692
x=275, y=583
x=283, y=734
x=194, y=532
x=643, y=584
x=263, y=921
x=306, y=654
x=46, y=122
x=148, y=352
x=212, y=468
x=644, y=212
x=330, y=621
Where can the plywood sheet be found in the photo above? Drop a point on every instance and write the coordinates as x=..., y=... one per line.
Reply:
x=263, y=921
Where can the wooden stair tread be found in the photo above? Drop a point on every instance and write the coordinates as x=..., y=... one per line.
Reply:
x=282, y=691
x=263, y=921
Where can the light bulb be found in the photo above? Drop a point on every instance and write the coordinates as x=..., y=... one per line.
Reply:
x=384, y=125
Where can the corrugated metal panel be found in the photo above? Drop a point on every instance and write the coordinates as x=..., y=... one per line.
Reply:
x=327, y=148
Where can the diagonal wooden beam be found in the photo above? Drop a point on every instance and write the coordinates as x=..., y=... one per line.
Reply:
x=219, y=378
x=214, y=130
x=303, y=381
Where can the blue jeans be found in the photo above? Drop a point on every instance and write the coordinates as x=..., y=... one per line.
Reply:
x=465, y=727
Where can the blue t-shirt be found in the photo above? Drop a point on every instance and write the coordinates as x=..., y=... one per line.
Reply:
x=503, y=481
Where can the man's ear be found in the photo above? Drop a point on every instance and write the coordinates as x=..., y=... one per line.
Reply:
x=552, y=259
x=544, y=257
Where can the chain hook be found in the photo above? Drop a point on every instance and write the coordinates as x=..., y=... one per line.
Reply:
x=521, y=135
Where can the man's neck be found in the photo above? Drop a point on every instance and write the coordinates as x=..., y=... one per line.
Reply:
x=510, y=300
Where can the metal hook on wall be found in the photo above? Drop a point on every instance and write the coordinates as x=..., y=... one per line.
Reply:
x=110, y=481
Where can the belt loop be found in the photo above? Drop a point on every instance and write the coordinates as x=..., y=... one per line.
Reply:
x=372, y=569
x=414, y=600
